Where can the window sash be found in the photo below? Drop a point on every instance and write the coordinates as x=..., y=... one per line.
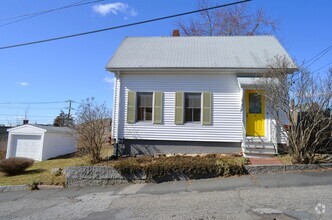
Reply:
x=193, y=100
x=144, y=106
x=193, y=107
x=144, y=99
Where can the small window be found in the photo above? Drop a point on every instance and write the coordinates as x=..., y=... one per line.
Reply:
x=255, y=103
x=192, y=107
x=144, y=106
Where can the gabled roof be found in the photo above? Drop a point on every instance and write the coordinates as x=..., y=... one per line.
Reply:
x=220, y=52
x=43, y=128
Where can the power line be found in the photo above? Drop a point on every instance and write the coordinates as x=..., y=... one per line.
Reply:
x=24, y=107
x=322, y=67
x=31, y=103
x=123, y=26
x=319, y=55
x=35, y=14
x=34, y=116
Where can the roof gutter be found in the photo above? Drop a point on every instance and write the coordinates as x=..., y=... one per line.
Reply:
x=198, y=70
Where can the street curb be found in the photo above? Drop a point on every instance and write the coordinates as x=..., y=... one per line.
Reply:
x=256, y=169
x=13, y=188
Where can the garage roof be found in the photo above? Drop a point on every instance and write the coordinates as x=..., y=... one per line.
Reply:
x=221, y=52
x=44, y=128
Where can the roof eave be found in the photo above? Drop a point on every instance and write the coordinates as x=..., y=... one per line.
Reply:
x=26, y=125
x=195, y=69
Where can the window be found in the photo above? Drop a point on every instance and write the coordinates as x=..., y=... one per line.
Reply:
x=144, y=106
x=255, y=103
x=192, y=107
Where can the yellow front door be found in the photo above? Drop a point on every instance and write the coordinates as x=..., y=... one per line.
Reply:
x=255, y=113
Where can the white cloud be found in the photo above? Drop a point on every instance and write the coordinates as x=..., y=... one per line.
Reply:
x=109, y=80
x=22, y=83
x=114, y=8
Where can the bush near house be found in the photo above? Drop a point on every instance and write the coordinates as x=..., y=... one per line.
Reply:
x=15, y=165
x=42, y=172
x=191, y=167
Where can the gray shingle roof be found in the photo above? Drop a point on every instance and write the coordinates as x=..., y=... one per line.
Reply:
x=54, y=129
x=196, y=52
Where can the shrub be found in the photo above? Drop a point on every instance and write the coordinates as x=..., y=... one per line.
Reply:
x=191, y=167
x=15, y=165
x=130, y=165
x=231, y=166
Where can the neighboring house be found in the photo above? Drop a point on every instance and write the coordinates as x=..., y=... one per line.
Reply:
x=40, y=142
x=194, y=95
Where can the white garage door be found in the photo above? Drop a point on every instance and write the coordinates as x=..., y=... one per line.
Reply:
x=28, y=146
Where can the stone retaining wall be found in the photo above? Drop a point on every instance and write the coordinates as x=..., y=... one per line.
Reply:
x=101, y=176
x=255, y=169
x=97, y=176
x=12, y=188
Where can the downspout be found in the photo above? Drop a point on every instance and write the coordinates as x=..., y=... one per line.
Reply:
x=118, y=87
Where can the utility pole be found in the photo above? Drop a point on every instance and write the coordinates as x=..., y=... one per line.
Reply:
x=69, y=109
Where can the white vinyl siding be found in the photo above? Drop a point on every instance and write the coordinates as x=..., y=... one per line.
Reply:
x=226, y=116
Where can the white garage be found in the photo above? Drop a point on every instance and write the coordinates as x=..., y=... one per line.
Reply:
x=40, y=142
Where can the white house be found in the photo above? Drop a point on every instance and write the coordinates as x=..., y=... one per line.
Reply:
x=40, y=142
x=193, y=95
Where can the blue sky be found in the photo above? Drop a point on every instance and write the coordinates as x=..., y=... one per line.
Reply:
x=75, y=68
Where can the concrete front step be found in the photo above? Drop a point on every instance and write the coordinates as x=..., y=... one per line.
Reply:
x=251, y=154
x=259, y=146
x=259, y=151
x=257, y=139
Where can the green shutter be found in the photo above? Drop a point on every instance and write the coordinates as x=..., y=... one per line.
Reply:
x=158, y=108
x=207, y=113
x=131, y=107
x=179, y=104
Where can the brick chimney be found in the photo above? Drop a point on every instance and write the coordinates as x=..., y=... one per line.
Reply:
x=176, y=33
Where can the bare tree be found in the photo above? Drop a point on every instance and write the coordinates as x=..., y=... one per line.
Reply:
x=229, y=21
x=93, y=124
x=304, y=100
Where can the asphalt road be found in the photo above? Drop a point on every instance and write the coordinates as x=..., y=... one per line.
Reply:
x=305, y=195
